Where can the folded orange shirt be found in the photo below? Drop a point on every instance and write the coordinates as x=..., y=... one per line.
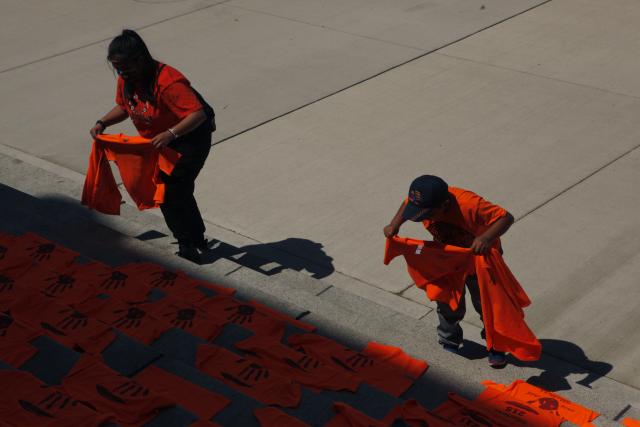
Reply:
x=346, y=416
x=273, y=417
x=21, y=253
x=261, y=319
x=63, y=323
x=132, y=403
x=133, y=320
x=462, y=412
x=248, y=377
x=25, y=402
x=441, y=270
x=297, y=365
x=15, y=349
x=376, y=364
x=532, y=406
x=414, y=415
x=139, y=164
x=195, y=399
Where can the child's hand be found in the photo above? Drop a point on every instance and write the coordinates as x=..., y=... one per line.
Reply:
x=480, y=245
x=391, y=230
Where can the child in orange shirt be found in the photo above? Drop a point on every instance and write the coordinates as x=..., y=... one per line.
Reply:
x=458, y=217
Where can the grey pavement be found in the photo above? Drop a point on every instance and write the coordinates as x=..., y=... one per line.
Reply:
x=326, y=112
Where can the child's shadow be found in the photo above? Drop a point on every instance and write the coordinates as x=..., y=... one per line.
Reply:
x=572, y=361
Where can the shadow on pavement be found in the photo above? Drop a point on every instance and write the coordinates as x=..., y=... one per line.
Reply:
x=553, y=375
x=292, y=253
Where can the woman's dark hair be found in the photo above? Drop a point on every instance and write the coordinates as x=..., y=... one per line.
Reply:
x=129, y=48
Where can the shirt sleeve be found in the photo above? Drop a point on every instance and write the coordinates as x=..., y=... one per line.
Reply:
x=487, y=213
x=180, y=99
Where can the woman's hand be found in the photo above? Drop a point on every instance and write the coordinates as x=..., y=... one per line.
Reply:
x=162, y=139
x=97, y=129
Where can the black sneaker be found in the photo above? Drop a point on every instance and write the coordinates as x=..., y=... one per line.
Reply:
x=497, y=359
x=189, y=252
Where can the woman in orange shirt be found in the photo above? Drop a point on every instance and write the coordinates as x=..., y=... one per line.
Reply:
x=164, y=108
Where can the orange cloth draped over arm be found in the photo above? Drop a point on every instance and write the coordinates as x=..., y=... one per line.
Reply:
x=139, y=164
x=441, y=271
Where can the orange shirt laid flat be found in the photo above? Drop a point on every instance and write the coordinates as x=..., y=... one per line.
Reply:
x=63, y=323
x=195, y=399
x=248, y=377
x=139, y=164
x=441, y=269
x=132, y=403
x=296, y=365
x=383, y=367
x=27, y=402
x=346, y=416
x=273, y=417
x=532, y=406
x=414, y=415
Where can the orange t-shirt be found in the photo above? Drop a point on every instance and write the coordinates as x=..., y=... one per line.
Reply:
x=132, y=403
x=346, y=416
x=441, y=269
x=139, y=164
x=414, y=415
x=174, y=101
x=195, y=399
x=250, y=378
x=25, y=401
x=272, y=417
x=469, y=211
x=533, y=406
x=391, y=371
x=297, y=365
x=629, y=422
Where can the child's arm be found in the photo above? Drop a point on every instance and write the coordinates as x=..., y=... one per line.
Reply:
x=394, y=226
x=482, y=243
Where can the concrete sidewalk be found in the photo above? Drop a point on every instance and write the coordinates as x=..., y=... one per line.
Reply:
x=327, y=112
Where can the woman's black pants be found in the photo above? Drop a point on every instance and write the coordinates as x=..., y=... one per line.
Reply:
x=180, y=209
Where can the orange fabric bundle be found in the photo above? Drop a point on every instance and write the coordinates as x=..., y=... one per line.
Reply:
x=441, y=269
x=297, y=365
x=384, y=367
x=248, y=377
x=139, y=164
x=629, y=422
x=195, y=399
x=532, y=406
x=273, y=417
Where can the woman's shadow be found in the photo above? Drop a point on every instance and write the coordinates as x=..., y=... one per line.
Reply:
x=272, y=258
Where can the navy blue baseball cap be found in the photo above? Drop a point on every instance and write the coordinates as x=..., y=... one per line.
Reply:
x=426, y=192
